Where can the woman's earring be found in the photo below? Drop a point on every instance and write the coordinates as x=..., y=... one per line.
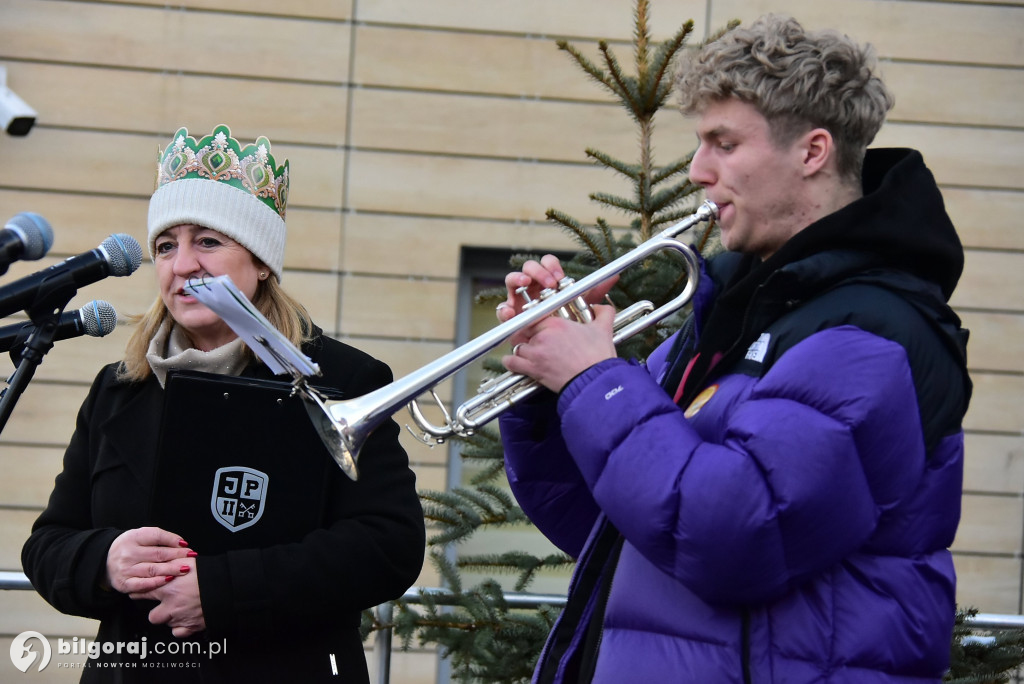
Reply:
x=263, y=275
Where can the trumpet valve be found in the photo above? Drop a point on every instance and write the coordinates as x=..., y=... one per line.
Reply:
x=524, y=292
x=577, y=310
x=489, y=384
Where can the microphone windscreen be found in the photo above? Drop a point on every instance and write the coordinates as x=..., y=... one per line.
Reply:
x=123, y=253
x=35, y=231
x=98, y=318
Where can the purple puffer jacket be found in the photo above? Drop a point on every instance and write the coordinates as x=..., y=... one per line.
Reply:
x=796, y=513
x=790, y=527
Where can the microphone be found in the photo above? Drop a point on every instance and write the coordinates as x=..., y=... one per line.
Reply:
x=119, y=255
x=96, y=319
x=26, y=236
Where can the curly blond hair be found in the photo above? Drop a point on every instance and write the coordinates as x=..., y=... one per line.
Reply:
x=797, y=80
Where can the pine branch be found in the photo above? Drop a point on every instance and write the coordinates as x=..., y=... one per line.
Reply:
x=668, y=197
x=630, y=171
x=573, y=228
x=482, y=443
x=621, y=203
x=983, y=658
x=641, y=37
x=624, y=86
x=610, y=251
x=669, y=217
x=484, y=447
x=439, y=507
x=664, y=58
x=681, y=165
x=449, y=574
x=715, y=35
x=497, y=502
x=510, y=561
x=527, y=565
x=462, y=511
x=589, y=67
x=643, y=192
x=569, y=223
x=491, y=472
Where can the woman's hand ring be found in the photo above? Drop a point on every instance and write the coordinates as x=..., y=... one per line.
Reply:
x=515, y=349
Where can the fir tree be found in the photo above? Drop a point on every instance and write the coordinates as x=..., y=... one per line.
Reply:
x=983, y=658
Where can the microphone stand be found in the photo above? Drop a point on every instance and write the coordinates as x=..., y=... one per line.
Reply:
x=45, y=315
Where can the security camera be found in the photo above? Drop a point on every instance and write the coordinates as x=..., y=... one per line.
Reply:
x=16, y=116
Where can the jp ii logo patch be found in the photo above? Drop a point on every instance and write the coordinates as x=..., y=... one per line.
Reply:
x=239, y=497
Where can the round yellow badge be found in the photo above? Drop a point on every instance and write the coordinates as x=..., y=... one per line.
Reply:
x=699, y=401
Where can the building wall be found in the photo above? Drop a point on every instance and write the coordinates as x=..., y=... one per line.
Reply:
x=415, y=129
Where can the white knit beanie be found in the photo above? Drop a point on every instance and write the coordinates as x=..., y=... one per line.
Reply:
x=218, y=184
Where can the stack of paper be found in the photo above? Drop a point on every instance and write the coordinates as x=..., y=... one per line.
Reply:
x=222, y=297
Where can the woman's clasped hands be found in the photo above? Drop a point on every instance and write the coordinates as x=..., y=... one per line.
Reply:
x=149, y=563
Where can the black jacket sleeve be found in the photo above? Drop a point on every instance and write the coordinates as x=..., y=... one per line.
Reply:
x=66, y=554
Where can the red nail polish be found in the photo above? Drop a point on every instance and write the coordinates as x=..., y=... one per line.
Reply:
x=168, y=578
x=184, y=568
x=182, y=542
x=192, y=554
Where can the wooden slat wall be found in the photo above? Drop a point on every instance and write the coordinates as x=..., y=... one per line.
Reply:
x=414, y=129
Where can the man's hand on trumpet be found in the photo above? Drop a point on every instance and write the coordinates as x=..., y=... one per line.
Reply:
x=555, y=350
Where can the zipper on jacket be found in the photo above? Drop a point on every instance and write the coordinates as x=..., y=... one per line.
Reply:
x=585, y=580
x=573, y=581
x=745, y=645
x=595, y=630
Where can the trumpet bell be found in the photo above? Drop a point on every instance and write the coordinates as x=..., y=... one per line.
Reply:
x=335, y=435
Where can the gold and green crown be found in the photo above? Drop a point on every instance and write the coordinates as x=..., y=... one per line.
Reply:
x=219, y=157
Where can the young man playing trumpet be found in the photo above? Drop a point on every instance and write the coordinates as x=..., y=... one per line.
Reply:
x=772, y=496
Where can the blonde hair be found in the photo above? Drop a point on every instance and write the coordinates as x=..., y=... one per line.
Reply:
x=797, y=80
x=283, y=311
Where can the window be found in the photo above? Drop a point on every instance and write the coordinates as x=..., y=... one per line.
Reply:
x=481, y=270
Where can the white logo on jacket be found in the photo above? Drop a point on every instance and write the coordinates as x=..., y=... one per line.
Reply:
x=239, y=494
x=759, y=349
x=611, y=393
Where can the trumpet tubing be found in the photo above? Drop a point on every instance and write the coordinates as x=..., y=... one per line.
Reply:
x=497, y=395
x=345, y=425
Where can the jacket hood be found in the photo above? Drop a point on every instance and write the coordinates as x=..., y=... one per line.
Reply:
x=901, y=220
x=899, y=225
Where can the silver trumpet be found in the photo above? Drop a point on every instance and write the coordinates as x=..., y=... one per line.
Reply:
x=345, y=425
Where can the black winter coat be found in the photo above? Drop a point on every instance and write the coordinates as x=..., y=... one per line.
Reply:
x=279, y=611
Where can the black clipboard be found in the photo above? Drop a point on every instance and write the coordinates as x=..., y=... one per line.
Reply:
x=240, y=464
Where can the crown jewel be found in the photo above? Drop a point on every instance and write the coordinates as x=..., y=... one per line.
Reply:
x=219, y=157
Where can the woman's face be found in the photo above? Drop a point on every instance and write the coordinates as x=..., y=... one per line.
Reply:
x=189, y=251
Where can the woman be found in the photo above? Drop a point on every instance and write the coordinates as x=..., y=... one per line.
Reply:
x=273, y=612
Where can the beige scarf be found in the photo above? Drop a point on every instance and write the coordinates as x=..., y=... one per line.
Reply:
x=170, y=349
